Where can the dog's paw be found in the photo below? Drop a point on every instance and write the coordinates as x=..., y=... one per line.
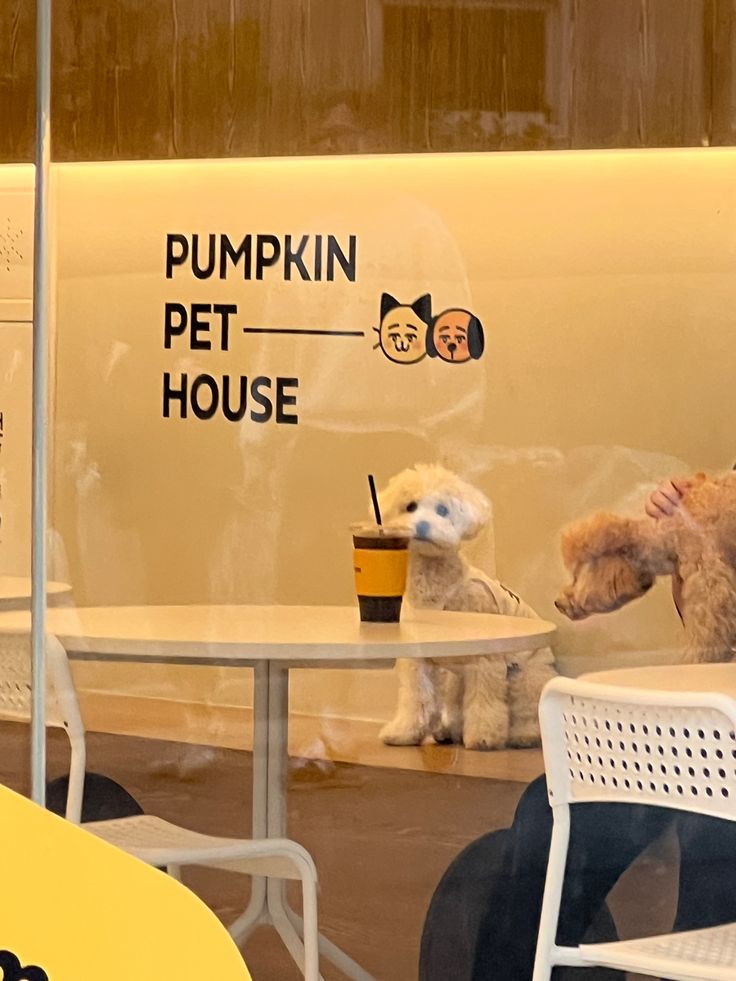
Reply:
x=486, y=725
x=448, y=730
x=524, y=733
x=399, y=733
x=485, y=736
x=445, y=736
x=524, y=738
x=484, y=742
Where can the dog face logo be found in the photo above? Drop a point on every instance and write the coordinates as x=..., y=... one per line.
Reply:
x=456, y=336
x=402, y=335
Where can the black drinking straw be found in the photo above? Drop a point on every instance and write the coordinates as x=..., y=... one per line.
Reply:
x=374, y=496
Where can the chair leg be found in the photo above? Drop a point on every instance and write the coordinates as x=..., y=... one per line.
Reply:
x=306, y=871
x=311, y=932
x=304, y=866
x=547, y=935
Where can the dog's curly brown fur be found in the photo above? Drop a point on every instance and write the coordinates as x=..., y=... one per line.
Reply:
x=614, y=560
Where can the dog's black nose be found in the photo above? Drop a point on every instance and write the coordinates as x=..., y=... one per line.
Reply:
x=422, y=529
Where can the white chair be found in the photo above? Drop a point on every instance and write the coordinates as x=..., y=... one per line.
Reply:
x=151, y=839
x=626, y=745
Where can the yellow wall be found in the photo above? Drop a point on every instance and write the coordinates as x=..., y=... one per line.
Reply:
x=16, y=342
x=605, y=281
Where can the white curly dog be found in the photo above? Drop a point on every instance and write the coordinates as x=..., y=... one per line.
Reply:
x=483, y=702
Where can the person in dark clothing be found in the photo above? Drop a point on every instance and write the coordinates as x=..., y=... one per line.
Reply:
x=483, y=919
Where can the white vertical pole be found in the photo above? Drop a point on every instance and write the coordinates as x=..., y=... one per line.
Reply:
x=41, y=266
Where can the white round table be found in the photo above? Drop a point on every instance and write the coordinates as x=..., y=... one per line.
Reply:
x=15, y=592
x=720, y=678
x=271, y=640
x=301, y=636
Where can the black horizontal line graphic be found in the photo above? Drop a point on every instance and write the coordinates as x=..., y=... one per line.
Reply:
x=303, y=330
x=15, y=320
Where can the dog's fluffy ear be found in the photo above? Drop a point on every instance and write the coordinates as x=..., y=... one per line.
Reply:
x=391, y=497
x=474, y=509
x=600, y=534
x=622, y=581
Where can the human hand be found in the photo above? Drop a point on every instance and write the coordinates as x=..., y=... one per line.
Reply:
x=667, y=498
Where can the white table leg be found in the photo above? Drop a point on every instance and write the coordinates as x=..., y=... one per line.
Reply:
x=278, y=761
x=278, y=749
x=286, y=921
x=268, y=903
x=270, y=758
x=256, y=911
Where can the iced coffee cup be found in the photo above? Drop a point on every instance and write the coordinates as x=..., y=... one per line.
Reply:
x=380, y=558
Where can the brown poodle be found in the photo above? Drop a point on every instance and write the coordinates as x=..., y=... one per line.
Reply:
x=614, y=560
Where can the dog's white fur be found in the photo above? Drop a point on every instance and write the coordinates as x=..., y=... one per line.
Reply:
x=483, y=702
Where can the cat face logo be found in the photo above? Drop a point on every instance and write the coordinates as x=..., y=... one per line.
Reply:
x=456, y=336
x=402, y=335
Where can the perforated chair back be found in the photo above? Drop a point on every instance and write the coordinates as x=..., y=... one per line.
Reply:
x=669, y=749
x=62, y=707
x=62, y=704
x=616, y=744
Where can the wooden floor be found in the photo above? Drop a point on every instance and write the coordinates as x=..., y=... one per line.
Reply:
x=316, y=737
